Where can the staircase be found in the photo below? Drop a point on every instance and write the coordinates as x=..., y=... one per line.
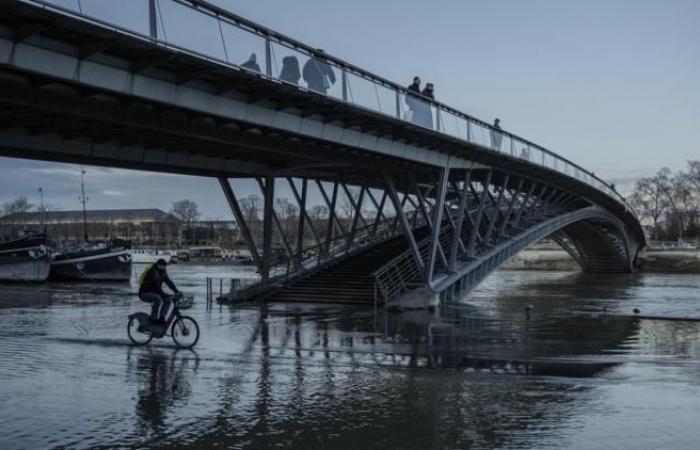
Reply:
x=348, y=281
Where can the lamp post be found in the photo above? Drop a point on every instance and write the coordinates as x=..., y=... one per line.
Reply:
x=43, y=209
x=83, y=199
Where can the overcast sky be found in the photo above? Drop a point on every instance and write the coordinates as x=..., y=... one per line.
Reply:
x=613, y=85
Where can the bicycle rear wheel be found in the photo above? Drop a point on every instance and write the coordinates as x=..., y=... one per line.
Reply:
x=185, y=332
x=137, y=337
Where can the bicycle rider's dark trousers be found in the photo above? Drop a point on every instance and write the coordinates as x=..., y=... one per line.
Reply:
x=159, y=304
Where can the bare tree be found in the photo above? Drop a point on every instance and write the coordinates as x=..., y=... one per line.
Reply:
x=287, y=212
x=650, y=197
x=251, y=207
x=318, y=212
x=18, y=205
x=187, y=212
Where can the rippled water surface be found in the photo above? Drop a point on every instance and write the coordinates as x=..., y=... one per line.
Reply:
x=583, y=372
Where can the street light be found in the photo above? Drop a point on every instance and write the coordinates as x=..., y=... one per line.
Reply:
x=43, y=209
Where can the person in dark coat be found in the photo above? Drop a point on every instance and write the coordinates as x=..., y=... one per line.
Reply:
x=427, y=113
x=496, y=135
x=252, y=63
x=290, y=70
x=151, y=290
x=411, y=101
x=318, y=74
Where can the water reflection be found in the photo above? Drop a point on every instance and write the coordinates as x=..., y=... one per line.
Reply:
x=163, y=381
x=475, y=375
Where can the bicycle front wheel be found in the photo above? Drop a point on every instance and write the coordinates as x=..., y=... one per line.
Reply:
x=185, y=332
x=136, y=336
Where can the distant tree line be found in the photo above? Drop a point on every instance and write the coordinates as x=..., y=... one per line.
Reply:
x=670, y=203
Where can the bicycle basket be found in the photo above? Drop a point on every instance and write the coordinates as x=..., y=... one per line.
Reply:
x=185, y=301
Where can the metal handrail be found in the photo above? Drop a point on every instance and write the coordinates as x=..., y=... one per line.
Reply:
x=570, y=168
x=285, y=271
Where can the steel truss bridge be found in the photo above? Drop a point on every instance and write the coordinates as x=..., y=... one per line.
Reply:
x=437, y=199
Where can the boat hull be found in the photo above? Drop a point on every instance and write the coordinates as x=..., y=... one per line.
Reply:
x=20, y=268
x=25, y=259
x=114, y=266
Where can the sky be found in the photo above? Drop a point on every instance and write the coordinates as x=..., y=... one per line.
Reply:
x=613, y=85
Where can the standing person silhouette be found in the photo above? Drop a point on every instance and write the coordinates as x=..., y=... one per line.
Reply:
x=318, y=74
x=414, y=105
x=427, y=112
x=290, y=70
x=496, y=135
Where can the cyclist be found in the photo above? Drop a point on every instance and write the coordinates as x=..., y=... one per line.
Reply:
x=151, y=290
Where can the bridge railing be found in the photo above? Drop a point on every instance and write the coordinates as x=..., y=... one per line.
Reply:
x=204, y=30
x=315, y=257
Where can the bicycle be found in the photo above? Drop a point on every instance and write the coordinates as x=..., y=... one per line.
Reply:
x=183, y=329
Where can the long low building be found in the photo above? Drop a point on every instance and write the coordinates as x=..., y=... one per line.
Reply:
x=140, y=225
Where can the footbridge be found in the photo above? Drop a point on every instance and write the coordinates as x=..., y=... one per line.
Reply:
x=393, y=193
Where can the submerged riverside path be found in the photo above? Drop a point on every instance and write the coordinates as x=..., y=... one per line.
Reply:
x=163, y=87
x=320, y=376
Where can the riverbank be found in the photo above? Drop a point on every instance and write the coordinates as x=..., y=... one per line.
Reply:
x=663, y=261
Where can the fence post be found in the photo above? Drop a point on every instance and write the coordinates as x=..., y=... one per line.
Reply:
x=344, y=80
x=152, y=22
x=268, y=57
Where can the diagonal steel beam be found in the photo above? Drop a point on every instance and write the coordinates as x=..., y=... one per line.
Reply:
x=421, y=200
x=457, y=232
x=479, y=215
x=437, y=224
x=302, y=217
x=532, y=208
x=285, y=242
x=523, y=206
x=406, y=227
x=358, y=216
x=351, y=199
x=331, y=203
x=511, y=205
x=240, y=220
x=269, y=195
x=302, y=210
x=497, y=206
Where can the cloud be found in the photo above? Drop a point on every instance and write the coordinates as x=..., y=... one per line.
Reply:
x=112, y=193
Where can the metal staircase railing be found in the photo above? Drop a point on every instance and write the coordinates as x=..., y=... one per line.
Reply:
x=401, y=274
x=285, y=271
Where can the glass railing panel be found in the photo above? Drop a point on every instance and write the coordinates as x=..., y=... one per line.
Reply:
x=243, y=48
x=193, y=30
x=363, y=92
x=480, y=134
x=73, y=5
x=405, y=113
x=450, y=125
x=134, y=18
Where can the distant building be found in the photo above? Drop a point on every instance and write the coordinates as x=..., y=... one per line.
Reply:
x=144, y=227
x=140, y=225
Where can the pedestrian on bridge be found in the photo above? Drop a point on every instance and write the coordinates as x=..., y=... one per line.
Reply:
x=426, y=110
x=496, y=135
x=412, y=102
x=252, y=63
x=290, y=70
x=318, y=74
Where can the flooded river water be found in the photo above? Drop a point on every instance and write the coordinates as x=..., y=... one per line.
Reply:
x=582, y=372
